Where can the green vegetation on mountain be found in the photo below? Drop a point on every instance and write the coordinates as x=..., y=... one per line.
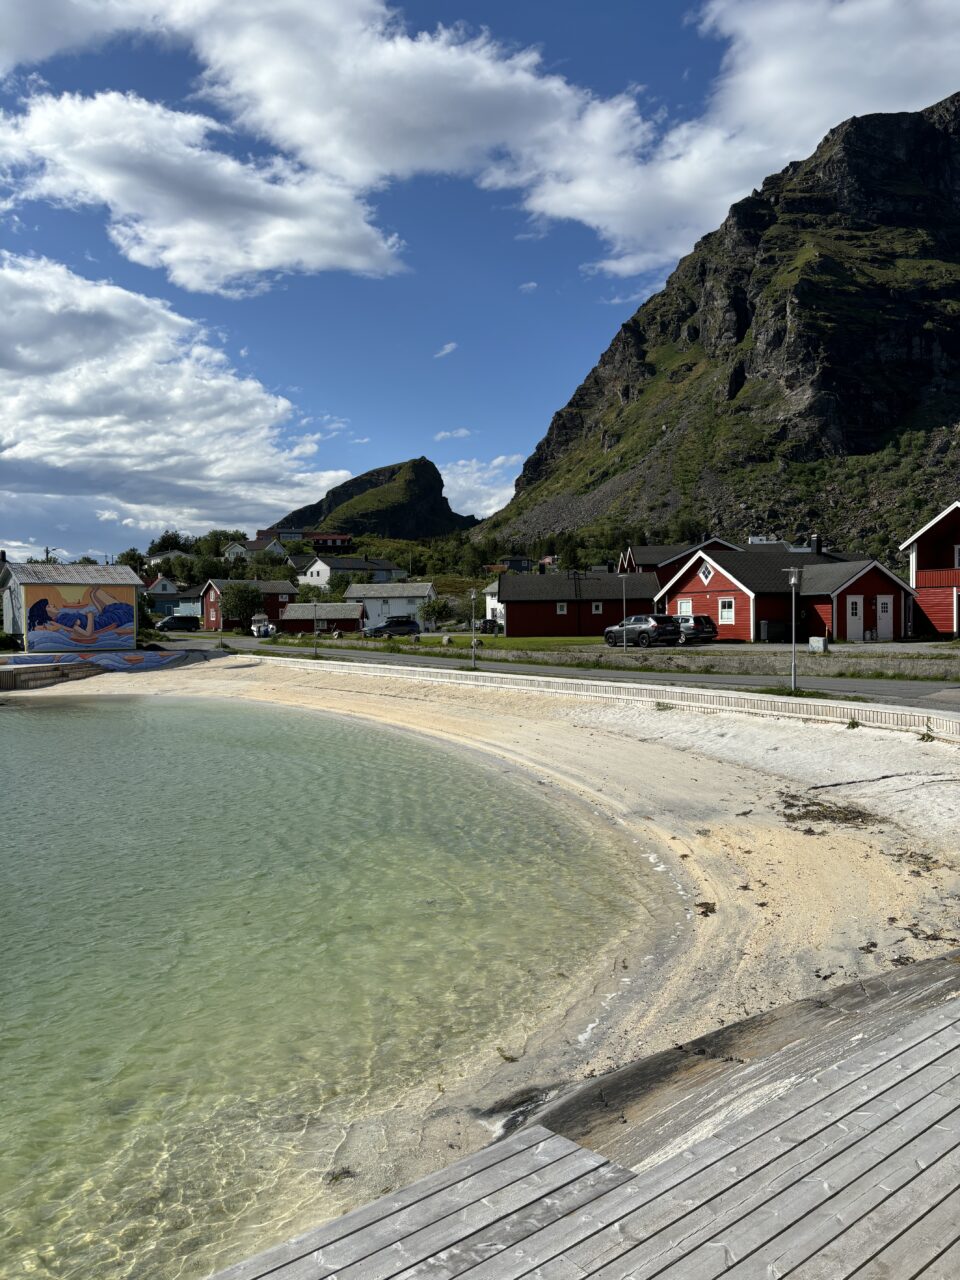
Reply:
x=799, y=372
x=403, y=500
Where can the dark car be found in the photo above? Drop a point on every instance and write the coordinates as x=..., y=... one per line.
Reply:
x=490, y=627
x=393, y=627
x=697, y=628
x=174, y=623
x=644, y=629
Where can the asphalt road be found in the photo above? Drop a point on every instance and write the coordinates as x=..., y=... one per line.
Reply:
x=935, y=695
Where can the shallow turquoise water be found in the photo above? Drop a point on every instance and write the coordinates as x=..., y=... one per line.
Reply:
x=227, y=930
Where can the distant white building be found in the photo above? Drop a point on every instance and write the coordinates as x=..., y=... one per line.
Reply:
x=388, y=600
x=318, y=572
x=267, y=546
x=494, y=611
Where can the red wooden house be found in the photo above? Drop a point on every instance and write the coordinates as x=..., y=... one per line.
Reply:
x=570, y=604
x=664, y=561
x=935, y=573
x=747, y=594
x=344, y=615
x=276, y=596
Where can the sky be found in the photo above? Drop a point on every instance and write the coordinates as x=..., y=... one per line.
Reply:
x=248, y=250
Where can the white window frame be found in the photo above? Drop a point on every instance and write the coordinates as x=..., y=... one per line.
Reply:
x=853, y=604
x=596, y=606
x=705, y=573
x=684, y=608
x=732, y=602
x=561, y=608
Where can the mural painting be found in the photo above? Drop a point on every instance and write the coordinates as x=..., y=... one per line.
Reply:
x=79, y=618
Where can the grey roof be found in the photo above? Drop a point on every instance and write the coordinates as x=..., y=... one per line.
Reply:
x=191, y=593
x=301, y=562
x=270, y=587
x=386, y=590
x=765, y=571
x=824, y=579
x=307, y=612
x=657, y=555
x=516, y=587
x=75, y=574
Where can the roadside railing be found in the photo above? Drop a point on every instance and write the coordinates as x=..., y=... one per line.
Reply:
x=940, y=724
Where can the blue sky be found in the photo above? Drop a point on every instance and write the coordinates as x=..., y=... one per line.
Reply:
x=245, y=256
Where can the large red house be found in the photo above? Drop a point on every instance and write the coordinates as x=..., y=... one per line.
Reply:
x=276, y=596
x=569, y=604
x=747, y=593
x=935, y=572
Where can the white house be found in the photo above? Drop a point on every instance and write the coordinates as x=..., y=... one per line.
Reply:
x=319, y=570
x=244, y=550
x=494, y=611
x=159, y=556
x=387, y=600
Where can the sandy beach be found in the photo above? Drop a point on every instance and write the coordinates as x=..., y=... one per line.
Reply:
x=794, y=857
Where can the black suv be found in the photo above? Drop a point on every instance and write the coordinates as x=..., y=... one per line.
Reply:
x=644, y=629
x=173, y=623
x=696, y=628
x=393, y=627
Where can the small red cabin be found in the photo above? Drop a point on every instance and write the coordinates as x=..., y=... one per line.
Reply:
x=574, y=604
x=276, y=596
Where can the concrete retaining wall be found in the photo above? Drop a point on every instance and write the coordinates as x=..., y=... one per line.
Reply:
x=941, y=724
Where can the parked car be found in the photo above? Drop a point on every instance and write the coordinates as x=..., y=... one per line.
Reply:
x=490, y=627
x=263, y=629
x=174, y=623
x=644, y=629
x=697, y=628
x=393, y=627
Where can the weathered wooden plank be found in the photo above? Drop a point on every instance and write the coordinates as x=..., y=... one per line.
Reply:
x=946, y=1265
x=402, y=1253
x=898, y=1238
x=270, y=1260
x=674, y=1227
x=792, y=1228
x=484, y=1249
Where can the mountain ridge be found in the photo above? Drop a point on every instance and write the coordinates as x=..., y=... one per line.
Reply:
x=799, y=370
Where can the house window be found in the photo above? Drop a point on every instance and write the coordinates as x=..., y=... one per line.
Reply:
x=596, y=607
x=684, y=608
x=854, y=608
x=283, y=599
x=706, y=573
x=956, y=557
x=884, y=606
x=726, y=611
x=561, y=607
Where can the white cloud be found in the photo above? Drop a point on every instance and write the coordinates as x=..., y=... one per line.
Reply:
x=345, y=99
x=473, y=487
x=115, y=408
x=528, y=286
x=447, y=349
x=459, y=433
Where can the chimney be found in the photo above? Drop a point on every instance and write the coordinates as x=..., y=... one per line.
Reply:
x=609, y=566
x=542, y=568
x=816, y=544
x=3, y=556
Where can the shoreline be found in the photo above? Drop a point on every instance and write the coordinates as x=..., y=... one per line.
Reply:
x=794, y=905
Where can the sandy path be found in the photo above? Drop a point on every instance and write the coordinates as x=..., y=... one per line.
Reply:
x=798, y=905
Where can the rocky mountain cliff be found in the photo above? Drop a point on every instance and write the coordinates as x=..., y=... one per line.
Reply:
x=402, y=500
x=800, y=370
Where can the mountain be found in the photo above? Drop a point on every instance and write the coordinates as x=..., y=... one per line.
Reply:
x=799, y=371
x=403, y=500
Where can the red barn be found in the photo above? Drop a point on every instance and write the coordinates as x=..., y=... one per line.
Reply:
x=747, y=594
x=935, y=573
x=276, y=596
x=574, y=604
x=343, y=615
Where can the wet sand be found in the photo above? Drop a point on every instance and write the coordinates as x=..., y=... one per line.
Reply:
x=818, y=855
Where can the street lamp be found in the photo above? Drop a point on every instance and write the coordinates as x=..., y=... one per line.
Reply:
x=623, y=583
x=794, y=580
x=314, y=628
x=473, y=626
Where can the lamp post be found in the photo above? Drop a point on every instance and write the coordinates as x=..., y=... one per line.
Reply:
x=314, y=628
x=473, y=627
x=623, y=583
x=794, y=580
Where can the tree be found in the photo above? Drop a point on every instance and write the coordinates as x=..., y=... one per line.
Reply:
x=133, y=559
x=86, y=560
x=213, y=542
x=439, y=610
x=337, y=584
x=308, y=592
x=240, y=600
x=170, y=540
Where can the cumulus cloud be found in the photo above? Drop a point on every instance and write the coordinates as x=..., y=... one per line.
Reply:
x=447, y=349
x=459, y=433
x=115, y=409
x=480, y=488
x=528, y=286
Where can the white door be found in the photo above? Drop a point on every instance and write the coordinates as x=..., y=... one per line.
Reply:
x=854, y=617
x=884, y=617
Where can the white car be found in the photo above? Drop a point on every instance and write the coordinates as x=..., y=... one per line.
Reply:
x=263, y=629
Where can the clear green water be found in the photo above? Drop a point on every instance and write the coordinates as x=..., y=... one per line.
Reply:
x=228, y=930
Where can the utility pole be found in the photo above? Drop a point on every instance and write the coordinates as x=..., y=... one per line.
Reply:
x=623, y=583
x=314, y=628
x=794, y=580
x=473, y=627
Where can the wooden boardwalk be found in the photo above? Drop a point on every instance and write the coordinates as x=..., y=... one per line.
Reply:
x=852, y=1171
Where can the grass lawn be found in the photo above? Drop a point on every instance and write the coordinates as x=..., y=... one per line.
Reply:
x=461, y=640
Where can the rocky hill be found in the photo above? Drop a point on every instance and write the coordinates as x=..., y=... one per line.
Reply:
x=402, y=500
x=799, y=371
